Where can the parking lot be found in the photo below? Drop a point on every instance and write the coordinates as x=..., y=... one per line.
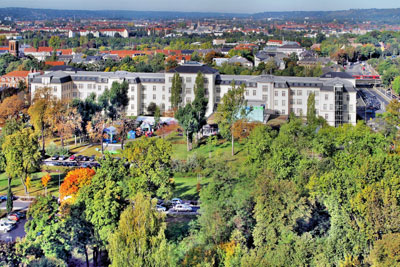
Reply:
x=17, y=231
x=72, y=161
x=375, y=103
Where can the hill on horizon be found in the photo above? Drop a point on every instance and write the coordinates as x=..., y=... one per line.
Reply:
x=389, y=16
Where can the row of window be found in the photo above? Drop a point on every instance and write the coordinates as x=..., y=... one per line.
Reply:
x=187, y=79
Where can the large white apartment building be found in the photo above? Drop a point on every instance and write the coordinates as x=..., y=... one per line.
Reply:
x=335, y=98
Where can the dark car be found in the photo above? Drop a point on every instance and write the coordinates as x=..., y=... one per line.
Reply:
x=4, y=198
x=92, y=158
x=79, y=157
x=84, y=158
x=55, y=157
x=63, y=157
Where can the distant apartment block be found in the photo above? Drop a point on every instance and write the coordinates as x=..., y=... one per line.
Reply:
x=335, y=98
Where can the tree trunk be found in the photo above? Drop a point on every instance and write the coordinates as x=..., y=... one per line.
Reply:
x=43, y=143
x=23, y=183
x=95, y=256
x=122, y=143
x=86, y=257
x=75, y=140
x=102, y=147
x=62, y=141
x=233, y=148
x=187, y=141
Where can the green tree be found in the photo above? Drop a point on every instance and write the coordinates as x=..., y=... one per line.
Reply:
x=311, y=112
x=139, y=239
x=10, y=201
x=55, y=42
x=176, y=91
x=151, y=109
x=115, y=100
x=396, y=85
x=104, y=199
x=187, y=118
x=232, y=108
x=150, y=161
x=45, y=231
x=40, y=112
x=200, y=101
x=86, y=108
x=157, y=117
x=386, y=251
x=21, y=150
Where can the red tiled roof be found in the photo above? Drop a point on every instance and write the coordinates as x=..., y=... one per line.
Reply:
x=17, y=73
x=30, y=50
x=54, y=63
x=275, y=41
x=45, y=49
x=65, y=51
x=113, y=30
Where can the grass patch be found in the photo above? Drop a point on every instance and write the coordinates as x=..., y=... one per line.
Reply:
x=36, y=187
x=186, y=185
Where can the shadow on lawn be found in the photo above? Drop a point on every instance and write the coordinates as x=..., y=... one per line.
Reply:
x=181, y=192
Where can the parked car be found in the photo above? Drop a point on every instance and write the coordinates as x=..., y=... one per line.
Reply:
x=176, y=201
x=63, y=157
x=6, y=220
x=85, y=165
x=5, y=227
x=79, y=158
x=92, y=158
x=55, y=157
x=72, y=157
x=182, y=207
x=13, y=217
x=16, y=215
x=4, y=198
x=161, y=208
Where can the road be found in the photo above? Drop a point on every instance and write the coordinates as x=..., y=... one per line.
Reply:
x=356, y=69
x=18, y=231
x=18, y=205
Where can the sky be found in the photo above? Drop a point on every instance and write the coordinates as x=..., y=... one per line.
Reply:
x=228, y=6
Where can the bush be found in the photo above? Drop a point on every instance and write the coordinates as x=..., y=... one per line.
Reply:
x=53, y=149
x=193, y=163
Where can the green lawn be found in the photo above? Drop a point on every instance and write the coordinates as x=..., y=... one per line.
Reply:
x=36, y=187
x=222, y=150
x=186, y=185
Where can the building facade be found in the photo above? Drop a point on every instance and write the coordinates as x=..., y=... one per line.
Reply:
x=335, y=98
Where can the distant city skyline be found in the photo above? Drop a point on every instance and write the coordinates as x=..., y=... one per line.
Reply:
x=228, y=6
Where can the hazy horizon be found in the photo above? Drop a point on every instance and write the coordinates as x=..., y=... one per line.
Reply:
x=224, y=6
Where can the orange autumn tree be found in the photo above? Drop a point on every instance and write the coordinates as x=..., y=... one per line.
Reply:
x=75, y=180
x=241, y=129
x=45, y=181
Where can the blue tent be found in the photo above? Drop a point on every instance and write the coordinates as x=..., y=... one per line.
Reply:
x=111, y=131
x=131, y=134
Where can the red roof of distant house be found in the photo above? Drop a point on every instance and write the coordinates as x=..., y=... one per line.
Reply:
x=113, y=30
x=17, y=73
x=40, y=49
x=54, y=63
x=275, y=41
x=30, y=50
x=45, y=49
x=65, y=51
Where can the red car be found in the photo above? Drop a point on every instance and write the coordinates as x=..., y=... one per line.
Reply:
x=72, y=157
x=13, y=217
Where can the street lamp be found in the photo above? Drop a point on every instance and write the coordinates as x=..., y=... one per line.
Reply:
x=59, y=183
